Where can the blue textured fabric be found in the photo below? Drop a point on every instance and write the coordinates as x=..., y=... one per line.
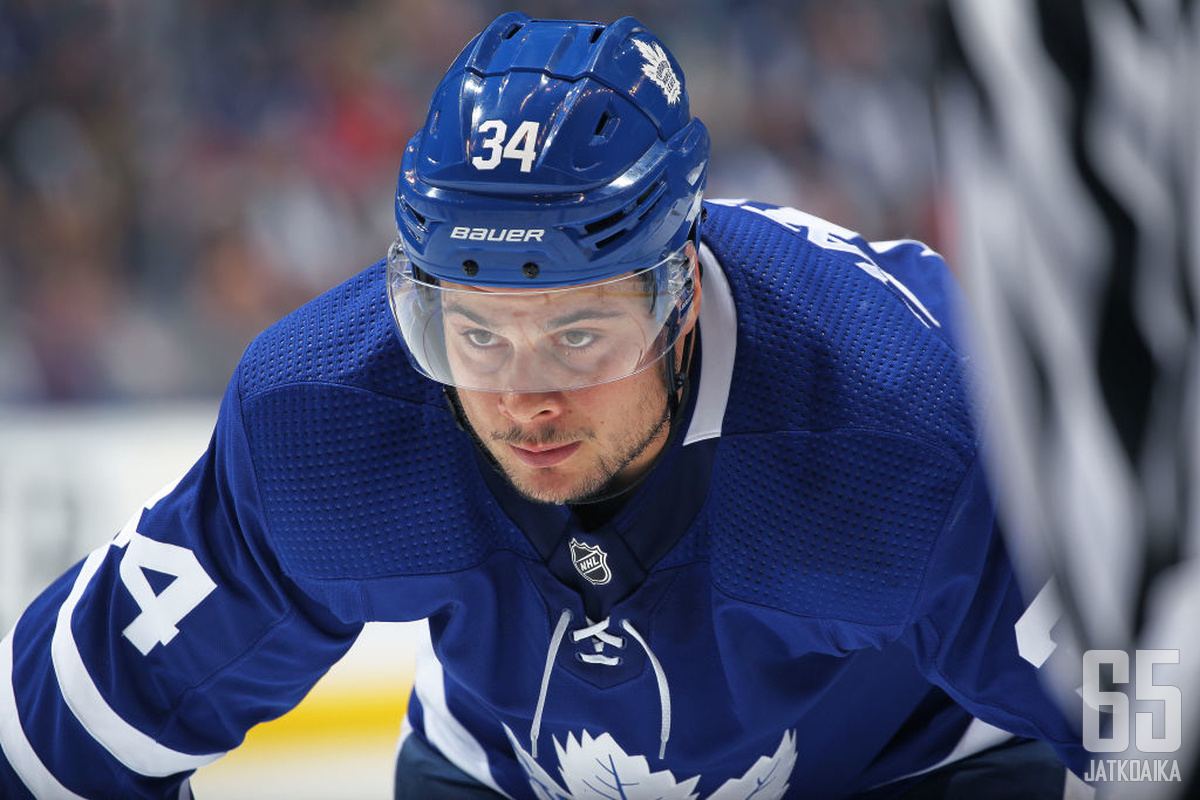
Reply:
x=818, y=594
x=855, y=550
x=824, y=346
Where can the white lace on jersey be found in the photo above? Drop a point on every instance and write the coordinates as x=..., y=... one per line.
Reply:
x=598, y=632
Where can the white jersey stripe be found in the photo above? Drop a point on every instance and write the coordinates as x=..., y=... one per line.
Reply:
x=131, y=747
x=718, y=322
x=442, y=730
x=16, y=747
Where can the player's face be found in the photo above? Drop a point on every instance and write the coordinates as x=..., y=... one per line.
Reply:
x=565, y=446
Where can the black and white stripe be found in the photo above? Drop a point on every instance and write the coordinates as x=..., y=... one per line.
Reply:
x=1071, y=136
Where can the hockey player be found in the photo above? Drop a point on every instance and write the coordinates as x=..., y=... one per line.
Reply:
x=689, y=493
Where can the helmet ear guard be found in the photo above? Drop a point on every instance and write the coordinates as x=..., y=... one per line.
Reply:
x=555, y=154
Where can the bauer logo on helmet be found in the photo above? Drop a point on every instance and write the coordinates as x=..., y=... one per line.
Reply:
x=498, y=234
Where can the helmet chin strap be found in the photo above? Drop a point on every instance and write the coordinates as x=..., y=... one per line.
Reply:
x=678, y=382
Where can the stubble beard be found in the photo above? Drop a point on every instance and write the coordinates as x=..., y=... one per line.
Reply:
x=602, y=478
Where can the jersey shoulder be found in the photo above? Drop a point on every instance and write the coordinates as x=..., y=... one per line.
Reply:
x=834, y=332
x=346, y=440
x=848, y=432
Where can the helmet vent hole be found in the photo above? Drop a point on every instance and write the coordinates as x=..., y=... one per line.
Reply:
x=649, y=208
x=415, y=215
x=606, y=241
x=470, y=268
x=595, y=34
x=512, y=31
x=530, y=270
x=616, y=225
x=607, y=222
x=603, y=123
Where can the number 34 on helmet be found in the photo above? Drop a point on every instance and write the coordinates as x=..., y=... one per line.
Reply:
x=546, y=207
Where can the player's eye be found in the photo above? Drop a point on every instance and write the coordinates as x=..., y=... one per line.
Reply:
x=481, y=338
x=577, y=338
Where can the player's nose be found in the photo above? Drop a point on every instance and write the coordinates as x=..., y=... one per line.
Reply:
x=524, y=407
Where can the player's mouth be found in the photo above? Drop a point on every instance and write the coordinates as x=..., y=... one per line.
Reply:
x=544, y=456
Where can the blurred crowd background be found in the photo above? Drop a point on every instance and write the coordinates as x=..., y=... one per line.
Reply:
x=176, y=176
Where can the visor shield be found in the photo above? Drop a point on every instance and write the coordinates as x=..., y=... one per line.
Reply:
x=545, y=340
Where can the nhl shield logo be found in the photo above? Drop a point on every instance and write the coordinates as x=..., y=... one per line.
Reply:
x=590, y=562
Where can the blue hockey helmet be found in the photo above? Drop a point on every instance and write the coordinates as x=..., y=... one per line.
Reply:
x=559, y=170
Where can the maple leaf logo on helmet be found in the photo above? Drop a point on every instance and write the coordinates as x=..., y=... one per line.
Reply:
x=658, y=69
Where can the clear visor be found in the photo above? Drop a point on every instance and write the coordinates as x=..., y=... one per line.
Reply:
x=516, y=340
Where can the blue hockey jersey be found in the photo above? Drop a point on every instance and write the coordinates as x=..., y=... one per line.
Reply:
x=806, y=597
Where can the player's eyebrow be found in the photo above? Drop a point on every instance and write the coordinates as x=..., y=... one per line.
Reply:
x=474, y=316
x=561, y=321
x=583, y=314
